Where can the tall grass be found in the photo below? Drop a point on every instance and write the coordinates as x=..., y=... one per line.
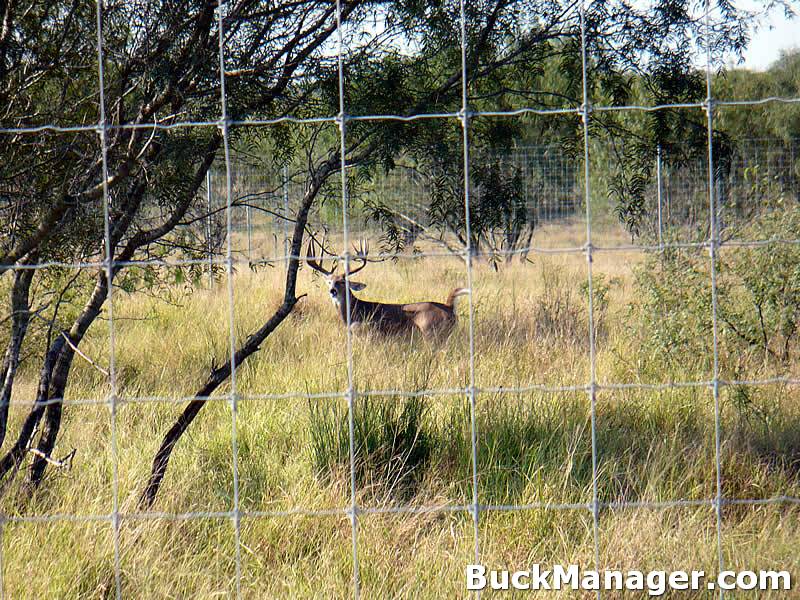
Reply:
x=531, y=327
x=392, y=443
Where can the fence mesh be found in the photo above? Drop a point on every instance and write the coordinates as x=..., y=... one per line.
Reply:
x=675, y=209
x=256, y=201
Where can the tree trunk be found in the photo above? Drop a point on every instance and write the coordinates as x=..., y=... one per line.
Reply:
x=20, y=317
x=251, y=345
x=11, y=461
x=93, y=307
x=60, y=375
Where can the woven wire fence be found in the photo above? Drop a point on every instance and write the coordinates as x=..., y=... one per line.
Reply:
x=280, y=209
x=551, y=191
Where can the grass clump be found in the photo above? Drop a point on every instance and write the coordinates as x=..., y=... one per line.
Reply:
x=392, y=443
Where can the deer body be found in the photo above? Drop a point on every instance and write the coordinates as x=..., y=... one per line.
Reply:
x=431, y=319
x=434, y=320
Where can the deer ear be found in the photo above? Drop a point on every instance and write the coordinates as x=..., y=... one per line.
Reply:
x=357, y=286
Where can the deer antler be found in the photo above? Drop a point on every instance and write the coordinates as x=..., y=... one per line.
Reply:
x=361, y=254
x=315, y=264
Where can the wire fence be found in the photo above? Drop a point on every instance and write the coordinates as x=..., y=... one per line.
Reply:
x=676, y=190
x=756, y=172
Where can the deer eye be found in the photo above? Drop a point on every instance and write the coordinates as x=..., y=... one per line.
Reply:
x=333, y=292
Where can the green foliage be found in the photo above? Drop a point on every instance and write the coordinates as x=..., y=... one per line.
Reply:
x=758, y=297
x=762, y=305
x=600, y=289
x=161, y=64
x=771, y=120
x=762, y=190
x=675, y=306
x=500, y=218
x=392, y=444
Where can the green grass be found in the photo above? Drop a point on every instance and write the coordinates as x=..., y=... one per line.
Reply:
x=534, y=447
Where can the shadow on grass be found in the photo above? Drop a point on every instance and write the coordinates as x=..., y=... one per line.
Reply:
x=539, y=448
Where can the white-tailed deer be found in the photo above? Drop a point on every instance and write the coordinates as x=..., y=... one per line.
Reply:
x=434, y=320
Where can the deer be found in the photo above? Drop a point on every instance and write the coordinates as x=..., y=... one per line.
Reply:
x=434, y=320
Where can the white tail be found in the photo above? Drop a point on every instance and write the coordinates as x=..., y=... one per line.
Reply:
x=455, y=295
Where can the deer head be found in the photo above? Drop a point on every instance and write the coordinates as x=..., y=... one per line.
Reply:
x=337, y=283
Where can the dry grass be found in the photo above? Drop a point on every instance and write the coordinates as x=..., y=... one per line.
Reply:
x=530, y=328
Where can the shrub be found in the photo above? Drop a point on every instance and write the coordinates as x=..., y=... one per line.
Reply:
x=765, y=311
x=562, y=311
x=758, y=297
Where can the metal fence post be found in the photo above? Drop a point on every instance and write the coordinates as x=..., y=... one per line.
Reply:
x=793, y=172
x=249, y=236
x=209, y=242
x=286, y=210
x=658, y=194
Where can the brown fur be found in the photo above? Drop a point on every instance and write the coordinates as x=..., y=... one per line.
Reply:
x=434, y=320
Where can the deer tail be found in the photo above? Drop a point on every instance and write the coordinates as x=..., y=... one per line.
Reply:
x=451, y=299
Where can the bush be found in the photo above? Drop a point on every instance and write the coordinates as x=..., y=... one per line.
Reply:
x=758, y=297
x=562, y=311
x=764, y=311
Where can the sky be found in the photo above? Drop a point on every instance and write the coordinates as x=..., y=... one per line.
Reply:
x=777, y=33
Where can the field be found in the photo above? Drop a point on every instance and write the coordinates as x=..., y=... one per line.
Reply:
x=534, y=446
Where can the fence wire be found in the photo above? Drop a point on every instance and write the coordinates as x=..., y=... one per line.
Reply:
x=585, y=115
x=713, y=251
x=233, y=192
x=675, y=204
x=109, y=274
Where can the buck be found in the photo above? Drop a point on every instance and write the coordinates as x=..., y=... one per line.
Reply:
x=434, y=320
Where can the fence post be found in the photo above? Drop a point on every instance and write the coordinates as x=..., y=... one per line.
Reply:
x=658, y=194
x=286, y=211
x=249, y=236
x=719, y=203
x=792, y=169
x=209, y=242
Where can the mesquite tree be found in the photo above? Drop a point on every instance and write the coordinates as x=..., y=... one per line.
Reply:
x=161, y=67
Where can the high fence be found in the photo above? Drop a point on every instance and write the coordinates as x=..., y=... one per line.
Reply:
x=757, y=174
x=679, y=192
